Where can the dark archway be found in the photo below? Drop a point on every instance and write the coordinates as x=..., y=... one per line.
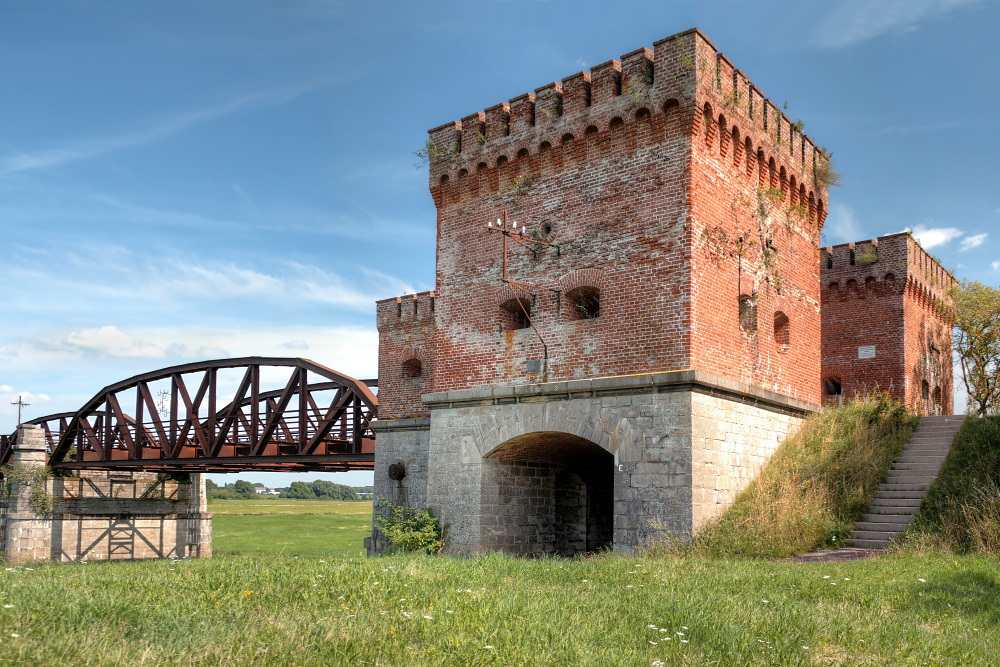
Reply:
x=547, y=493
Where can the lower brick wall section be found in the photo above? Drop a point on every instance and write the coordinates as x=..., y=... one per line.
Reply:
x=677, y=449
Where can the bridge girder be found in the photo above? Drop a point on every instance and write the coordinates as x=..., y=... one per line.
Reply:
x=304, y=425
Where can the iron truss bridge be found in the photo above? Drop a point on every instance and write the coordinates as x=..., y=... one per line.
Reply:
x=219, y=416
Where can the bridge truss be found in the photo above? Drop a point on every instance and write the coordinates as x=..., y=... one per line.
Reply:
x=201, y=417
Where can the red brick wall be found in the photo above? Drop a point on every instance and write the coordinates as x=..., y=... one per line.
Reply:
x=406, y=333
x=770, y=202
x=618, y=166
x=885, y=292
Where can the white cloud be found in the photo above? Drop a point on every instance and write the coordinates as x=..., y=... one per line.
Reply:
x=995, y=266
x=930, y=237
x=857, y=21
x=110, y=341
x=91, y=148
x=8, y=399
x=842, y=225
x=970, y=242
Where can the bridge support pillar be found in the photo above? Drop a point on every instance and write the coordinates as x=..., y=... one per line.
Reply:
x=27, y=533
x=198, y=519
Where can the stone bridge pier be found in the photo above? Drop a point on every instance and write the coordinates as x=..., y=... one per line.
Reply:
x=564, y=468
x=100, y=515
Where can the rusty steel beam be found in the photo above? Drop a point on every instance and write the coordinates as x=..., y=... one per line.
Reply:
x=281, y=429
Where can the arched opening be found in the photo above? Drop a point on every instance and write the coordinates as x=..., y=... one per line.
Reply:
x=568, y=151
x=737, y=147
x=723, y=137
x=616, y=136
x=748, y=314
x=593, y=138
x=643, y=128
x=547, y=493
x=483, y=174
x=671, y=119
x=751, y=157
x=937, y=400
x=515, y=314
x=545, y=158
x=833, y=391
x=708, y=124
x=584, y=303
x=503, y=172
x=782, y=330
x=412, y=368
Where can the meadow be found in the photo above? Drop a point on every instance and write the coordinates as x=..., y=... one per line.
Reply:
x=932, y=609
x=274, y=526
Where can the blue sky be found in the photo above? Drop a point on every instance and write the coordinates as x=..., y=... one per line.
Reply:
x=189, y=180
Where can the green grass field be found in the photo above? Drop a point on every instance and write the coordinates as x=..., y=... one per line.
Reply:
x=269, y=526
x=496, y=610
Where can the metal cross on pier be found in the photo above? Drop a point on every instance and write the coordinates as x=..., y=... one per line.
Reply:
x=20, y=404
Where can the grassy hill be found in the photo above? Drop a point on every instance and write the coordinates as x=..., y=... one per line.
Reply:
x=961, y=512
x=815, y=485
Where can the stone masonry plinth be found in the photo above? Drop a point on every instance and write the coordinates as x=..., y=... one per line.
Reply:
x=105, y=515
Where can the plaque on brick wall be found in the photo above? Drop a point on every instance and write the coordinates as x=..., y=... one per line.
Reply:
x=866, y=352
x=534, y=365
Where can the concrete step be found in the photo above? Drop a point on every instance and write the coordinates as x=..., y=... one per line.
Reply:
x=922, y=467
x=868, y=544
x=922, y=457
x=873, y=535
x=918, y=489
x=880, y=527
x=909, y=479
x=896, y=503
x=895, y=519
x=902, y=494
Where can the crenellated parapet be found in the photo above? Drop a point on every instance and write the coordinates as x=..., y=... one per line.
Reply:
x=683, y=86
x=405, y=310
x=889, y=265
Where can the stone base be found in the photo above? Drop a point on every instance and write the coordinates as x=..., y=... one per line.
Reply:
x=570, y=467
x=112, y=516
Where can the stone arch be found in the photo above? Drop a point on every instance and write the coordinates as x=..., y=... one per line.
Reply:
x=568, y=150
x=616, y=136
x=547, y=493
x=545, y=165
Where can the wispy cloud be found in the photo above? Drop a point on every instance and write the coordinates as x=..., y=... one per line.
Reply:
x=842, y=224
x=90, y=148
x=190, y=285
x=858, y=21
x=931, y=237
x=970, y=242
x=995, y=265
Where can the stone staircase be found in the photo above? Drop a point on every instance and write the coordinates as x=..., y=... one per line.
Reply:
x=910, y=477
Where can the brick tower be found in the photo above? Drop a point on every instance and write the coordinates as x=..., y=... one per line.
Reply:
x=653, y=332
x=884, y=326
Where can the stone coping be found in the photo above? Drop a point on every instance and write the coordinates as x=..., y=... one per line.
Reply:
x=646, y=383
x=403, y=424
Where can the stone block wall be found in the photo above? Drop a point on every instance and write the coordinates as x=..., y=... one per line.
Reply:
x=678, y=447
x=406, y=442
x=105, y=515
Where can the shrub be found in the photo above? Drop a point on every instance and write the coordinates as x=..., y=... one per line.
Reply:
x=409, y=529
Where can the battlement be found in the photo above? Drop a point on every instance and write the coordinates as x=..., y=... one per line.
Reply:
x=883, y=266
x=405, y=310
x=683, y=84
